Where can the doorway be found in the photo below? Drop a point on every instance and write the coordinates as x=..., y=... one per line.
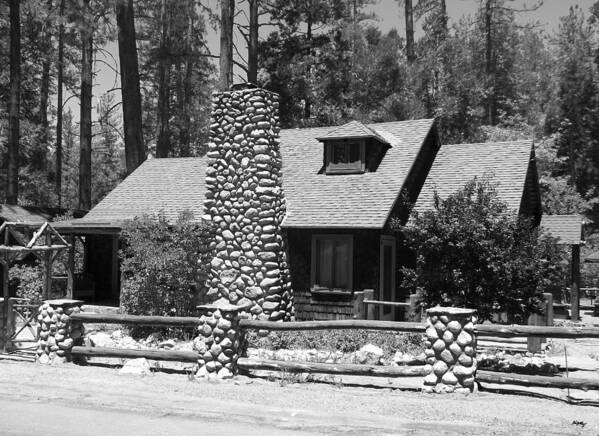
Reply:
x=387, y=290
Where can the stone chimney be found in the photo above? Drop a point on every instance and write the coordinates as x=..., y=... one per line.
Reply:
x=245, y=203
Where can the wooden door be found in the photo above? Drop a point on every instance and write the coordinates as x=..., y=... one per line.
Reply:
x=387, y=290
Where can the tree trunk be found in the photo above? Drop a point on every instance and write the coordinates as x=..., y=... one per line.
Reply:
x=60, y=79
x=410, y=53
x=85, y=139
x=444, y=17
x=489, y=68
x=39, y=160
x=226, y=44
x=163, y=142
x=308, y=102
x=135, y=150
x=185, y=100
x=14, y=103
x=253, y=43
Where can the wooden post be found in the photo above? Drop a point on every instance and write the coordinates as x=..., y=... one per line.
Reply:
x=548, y=297
x=358, y=302
x=71, y=267
x=575, y=287
x=534, y=343
x=47, y=268
x=4, y=331
x=413, y=310
x=369, y=308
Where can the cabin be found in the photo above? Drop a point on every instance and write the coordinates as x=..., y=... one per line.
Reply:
x=342, y=186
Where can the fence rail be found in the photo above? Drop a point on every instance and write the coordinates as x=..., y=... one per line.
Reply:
x=139, y=320
x=332, y=368
x=169, y=355
x=340, y=324
x=117, y=318
x=387, y=303
x=521, y=331
x=536, y=380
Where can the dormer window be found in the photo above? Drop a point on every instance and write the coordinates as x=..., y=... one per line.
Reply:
x=353, y=149
x=346, y=156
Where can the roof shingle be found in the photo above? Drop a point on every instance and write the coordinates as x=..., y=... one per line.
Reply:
x=315, y=199
x=158, y=186
x=353, y=129
x=505, y=163
x=567, y=228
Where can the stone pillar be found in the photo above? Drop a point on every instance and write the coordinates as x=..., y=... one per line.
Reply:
x=245, y=203
x=57, y=332
x=218, y=342
x=450, y=350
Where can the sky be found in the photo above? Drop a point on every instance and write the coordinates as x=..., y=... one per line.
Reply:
x=390, y=15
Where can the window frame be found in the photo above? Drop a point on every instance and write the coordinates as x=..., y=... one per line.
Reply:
x=347, y=168
x=315, y=261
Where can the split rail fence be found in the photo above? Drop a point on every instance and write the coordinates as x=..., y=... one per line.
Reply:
x=246, y=364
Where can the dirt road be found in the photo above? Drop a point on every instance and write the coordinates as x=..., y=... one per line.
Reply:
x=94, y=401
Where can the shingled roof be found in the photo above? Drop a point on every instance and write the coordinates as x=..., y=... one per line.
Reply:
x=157, y=186
x=352, y=130
x=315, y=199
x=505, y=163
x=567, y=228
x=170, y=186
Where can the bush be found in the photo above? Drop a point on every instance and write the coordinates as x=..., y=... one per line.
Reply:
x=163, y=265
x=473, y=252
x=29, y=281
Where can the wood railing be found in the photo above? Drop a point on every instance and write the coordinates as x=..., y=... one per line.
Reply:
x=333, y=368
x=418, y=370
x=140, y=320
x=341, y=324
x=137, y=320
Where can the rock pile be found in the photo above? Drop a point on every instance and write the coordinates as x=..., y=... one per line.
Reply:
x=58, y=333
x=218, y=342
x=245, y=203
x=451, y=350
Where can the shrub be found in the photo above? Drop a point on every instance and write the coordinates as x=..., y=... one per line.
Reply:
x=473, y=252
x=29, y=281
x=163, y=265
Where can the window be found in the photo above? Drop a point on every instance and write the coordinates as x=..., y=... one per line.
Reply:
x=345, y=157
x=332, y=262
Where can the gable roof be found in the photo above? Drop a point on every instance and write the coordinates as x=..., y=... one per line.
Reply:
x=166, y=186
x=505, y=163
x=567, y=228
x=31, y=214
x=315, y=199
x=352, y=130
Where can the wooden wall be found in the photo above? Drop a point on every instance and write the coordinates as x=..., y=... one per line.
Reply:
x=365, y=272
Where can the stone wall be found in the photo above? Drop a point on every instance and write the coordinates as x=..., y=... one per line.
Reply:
x=245, y=203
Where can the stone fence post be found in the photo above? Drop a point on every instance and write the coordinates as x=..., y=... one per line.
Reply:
x=219, y=341
x=57, y=332
x=450, y=350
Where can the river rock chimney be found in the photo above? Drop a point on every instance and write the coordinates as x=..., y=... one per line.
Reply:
x=245, y=203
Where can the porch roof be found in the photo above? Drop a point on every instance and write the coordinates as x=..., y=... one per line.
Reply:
x=568, y=229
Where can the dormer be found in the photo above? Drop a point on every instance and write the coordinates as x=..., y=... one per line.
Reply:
x=352, y=148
